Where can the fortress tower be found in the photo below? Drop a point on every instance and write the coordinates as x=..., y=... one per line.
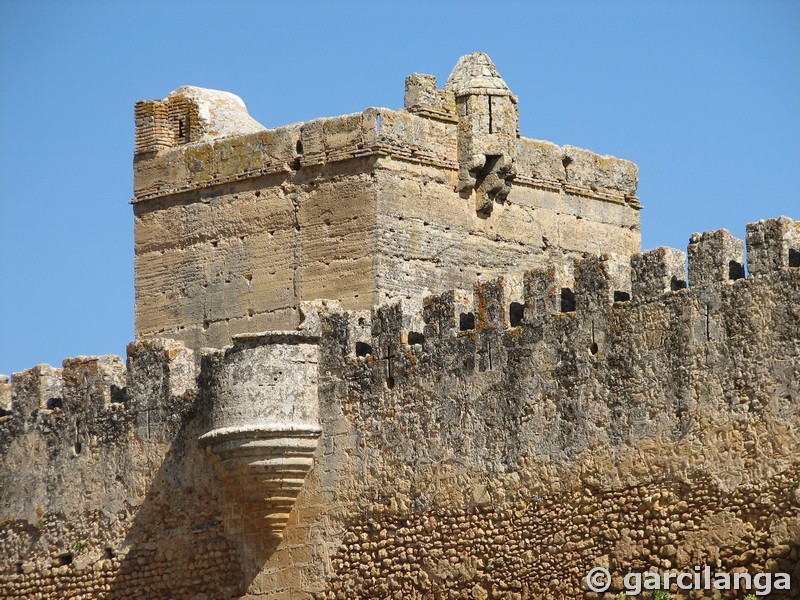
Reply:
x=236, y=224
x=409, y=354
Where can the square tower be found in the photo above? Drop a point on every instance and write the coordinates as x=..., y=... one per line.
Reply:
x=236, y=224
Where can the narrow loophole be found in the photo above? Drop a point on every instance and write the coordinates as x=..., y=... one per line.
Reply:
x=567, y=300
x=466, y=321
x=299, y=147
x=415, y=337
x=735, y=270
x=119, y=395
x=794, y=257
x=566, y=162
x=390, y=382
x=621, y=296
x=593, y=348
x=77, y=446
x=516, y=312
x=676, y=284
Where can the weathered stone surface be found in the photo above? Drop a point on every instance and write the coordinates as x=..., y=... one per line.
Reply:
x=642, y=432
x=264, y=430
x=488, y=404
x=233, y=234
x=715, y=256
x=104, y=492
x=657, y=272
x=190, y=114
x=221, y=114
x=773, y=244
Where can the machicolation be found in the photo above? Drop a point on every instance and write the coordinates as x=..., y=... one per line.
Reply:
x=409, y=354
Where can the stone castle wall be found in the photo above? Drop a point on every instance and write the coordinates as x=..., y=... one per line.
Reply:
x=408, y=354
x=660, y=432
x=495, y=442
x=103, y=496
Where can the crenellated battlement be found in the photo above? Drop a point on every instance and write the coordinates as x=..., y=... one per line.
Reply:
x=100, y=400
x=773, y=244
x=593, y=286
x=162, y=371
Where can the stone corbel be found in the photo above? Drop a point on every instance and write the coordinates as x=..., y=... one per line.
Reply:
x=264, y=423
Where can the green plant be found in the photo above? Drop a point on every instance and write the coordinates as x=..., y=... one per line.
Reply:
x=79, y=546
x=662, y=595
x=751, y=597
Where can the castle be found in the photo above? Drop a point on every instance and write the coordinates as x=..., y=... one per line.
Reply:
x=408, y=354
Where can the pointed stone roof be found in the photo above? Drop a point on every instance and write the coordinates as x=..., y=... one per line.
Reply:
x=476, y=74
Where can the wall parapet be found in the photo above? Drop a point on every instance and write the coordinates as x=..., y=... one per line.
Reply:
x=98, y=399
x=196, y=138
x=161, y=372
x=373, y=132
x=593, y=285
x=162, y=369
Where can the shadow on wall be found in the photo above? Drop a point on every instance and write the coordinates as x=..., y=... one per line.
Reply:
x=177, y=546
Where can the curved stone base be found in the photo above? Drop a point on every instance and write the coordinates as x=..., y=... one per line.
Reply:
x=264, y=467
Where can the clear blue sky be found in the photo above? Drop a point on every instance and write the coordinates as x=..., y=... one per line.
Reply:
x=704, y=96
